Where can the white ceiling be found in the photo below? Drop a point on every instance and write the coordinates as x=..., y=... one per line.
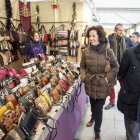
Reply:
x=110, y=17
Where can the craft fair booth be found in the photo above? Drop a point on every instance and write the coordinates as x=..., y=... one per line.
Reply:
x=42, y=96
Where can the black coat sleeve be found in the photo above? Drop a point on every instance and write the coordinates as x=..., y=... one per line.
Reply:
x=27, y=48
x=125, y=63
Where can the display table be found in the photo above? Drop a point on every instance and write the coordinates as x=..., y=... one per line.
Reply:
x=68, y=122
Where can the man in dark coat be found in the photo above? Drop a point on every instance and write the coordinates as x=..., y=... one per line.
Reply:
x=135, y=38
x=129, y=96
x=118, y=43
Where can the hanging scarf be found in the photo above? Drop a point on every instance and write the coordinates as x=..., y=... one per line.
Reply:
x=122, y=46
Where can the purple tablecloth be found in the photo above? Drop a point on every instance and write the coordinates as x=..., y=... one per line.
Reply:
x=68, y=122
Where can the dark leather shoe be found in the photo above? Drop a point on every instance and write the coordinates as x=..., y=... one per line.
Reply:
x=97, y=136
x=90, y=123
x=109, y=106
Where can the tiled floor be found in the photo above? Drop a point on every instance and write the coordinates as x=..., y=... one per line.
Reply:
x=112, y=125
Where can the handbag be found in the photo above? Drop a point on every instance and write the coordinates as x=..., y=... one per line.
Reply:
x=31, y=29
x=3, y=109
x=4, y=35
x=28, y=87
x=5, y=45
x=86, y=40
x=43, y=103
x=15, y=96
x=9, y=82
x=13, y=34
x=5, y=58
x=3, y=71
x=107, y=69
x=22, y=34
x=10, y=119
x=43, y=36
x=61, y=32
x=30, y=121
x=14, y=134
x=52, y=33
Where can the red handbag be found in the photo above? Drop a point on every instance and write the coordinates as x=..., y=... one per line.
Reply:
x=43, y=36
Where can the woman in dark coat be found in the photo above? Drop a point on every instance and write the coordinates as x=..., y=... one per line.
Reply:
x=129, y=96
x=92, y=69
x=34, y=46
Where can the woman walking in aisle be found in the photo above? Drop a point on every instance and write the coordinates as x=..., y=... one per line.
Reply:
x=92, y=69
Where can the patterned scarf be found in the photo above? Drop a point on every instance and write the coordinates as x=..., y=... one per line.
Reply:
x=122, y=46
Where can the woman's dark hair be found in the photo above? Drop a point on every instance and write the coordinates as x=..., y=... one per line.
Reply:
x=34, y=32
x=100, y=31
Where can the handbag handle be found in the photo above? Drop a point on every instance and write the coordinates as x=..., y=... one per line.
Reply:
x=41, y=29
x=31, y=29
x=21, y=28
x=52, y=29
x=3, y=26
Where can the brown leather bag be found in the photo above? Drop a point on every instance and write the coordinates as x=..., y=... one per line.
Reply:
x=44, y=80
x=14, y=134
x=15, y=96
x=10, y=119
x=107, y=69
x=55, y=94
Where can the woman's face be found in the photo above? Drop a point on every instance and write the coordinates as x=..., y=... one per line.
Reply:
x=93, y=37
x=35, y=37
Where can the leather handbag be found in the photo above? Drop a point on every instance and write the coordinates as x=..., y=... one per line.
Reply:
x=44, y=80
x=8, y=121
x=28, y=87
x=62, y=43
x=43, y=36
x=8, y=82
x=55, y=94
x=59, y=69
x=31, y=29
x=14, y=134
x=30, y=121
x=25, y=102
x=5, y=58
x=3, y=93
x=86, y=40
x=22, y=34
x=15, y=96
x=43, y=103
x=54, y=81
x=107, y=69
x=4, y=35
x=52, y=33
x=13, y=34
x=3, y=71
x=3, y=109
x=5, y=45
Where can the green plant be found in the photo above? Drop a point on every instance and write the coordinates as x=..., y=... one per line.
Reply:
x=74, y=14
x=37, y=17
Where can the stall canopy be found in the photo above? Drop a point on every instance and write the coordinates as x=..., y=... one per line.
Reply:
x=111, y=12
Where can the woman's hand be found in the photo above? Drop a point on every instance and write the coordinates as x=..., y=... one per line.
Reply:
x=106, y=80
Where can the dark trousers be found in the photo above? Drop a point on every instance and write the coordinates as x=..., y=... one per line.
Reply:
x=97, y=112
x=132, y=129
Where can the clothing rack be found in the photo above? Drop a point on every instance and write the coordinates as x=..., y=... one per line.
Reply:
x=13, y=19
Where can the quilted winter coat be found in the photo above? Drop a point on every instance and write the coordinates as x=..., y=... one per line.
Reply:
x=92, y=70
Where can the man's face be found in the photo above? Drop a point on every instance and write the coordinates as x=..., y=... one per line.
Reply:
x=119, y=31
x=135, y=38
